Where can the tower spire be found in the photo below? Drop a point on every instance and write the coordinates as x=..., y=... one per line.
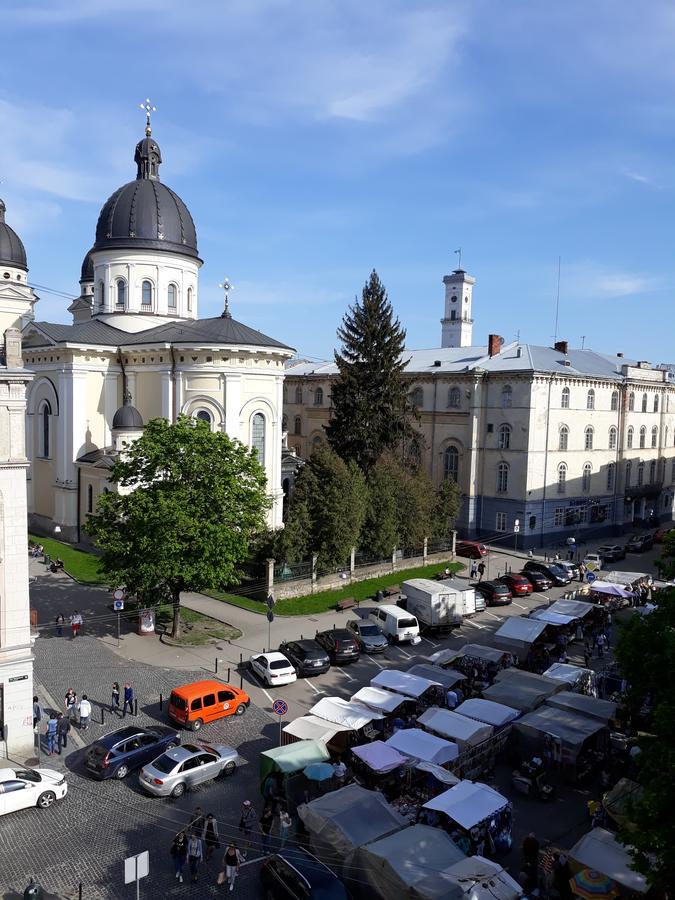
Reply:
x=226, y=286
x=148, y=156
x=149, y=109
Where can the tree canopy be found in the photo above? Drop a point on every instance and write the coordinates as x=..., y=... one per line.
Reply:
x=189, y=503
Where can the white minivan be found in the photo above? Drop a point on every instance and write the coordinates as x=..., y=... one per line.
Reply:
x=398, y=625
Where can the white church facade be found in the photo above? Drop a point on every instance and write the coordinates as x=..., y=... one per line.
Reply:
x=137, y=350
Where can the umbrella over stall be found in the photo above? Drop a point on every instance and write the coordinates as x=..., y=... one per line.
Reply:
x=318, y=771
x=590, y=884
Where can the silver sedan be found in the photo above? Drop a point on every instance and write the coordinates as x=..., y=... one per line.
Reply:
x=181, y=768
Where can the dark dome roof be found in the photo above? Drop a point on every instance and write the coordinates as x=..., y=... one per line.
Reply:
x=145, y=214
x=127, y=417
x=12, y=251
x=87, y=271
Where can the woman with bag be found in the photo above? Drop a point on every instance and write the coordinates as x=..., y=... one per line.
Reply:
x=179, y=852
x=210, y=836
x=232, y=859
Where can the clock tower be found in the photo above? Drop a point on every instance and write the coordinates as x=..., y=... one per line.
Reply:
x=457, y=324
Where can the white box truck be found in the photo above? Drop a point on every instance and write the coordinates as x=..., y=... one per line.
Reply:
x=472, y=601
x=436, y=606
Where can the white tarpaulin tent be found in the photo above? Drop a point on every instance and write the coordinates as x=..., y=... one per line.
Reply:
x=552, y=618
x=495, y=714
x=447, y=677
x=393, y=865
x=308, y=728
x=473, y=878
x=444, y=657
x=517, y=634
x=600, y=850
x=403, y=682
x=611, y=589
x=575, y=608
x=377, y=698
x=341, y=712
x=468, y=803
x=602, y=710
x=420, y=745
x=464, y=732
x=569, y=674
x=522, y=690
x=439, y=773
x=379, y=757
x=624, y=578
x=344, y=819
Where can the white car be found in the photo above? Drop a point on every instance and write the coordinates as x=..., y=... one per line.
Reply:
x=273, y=668
x=593, y=562
x=22, y=788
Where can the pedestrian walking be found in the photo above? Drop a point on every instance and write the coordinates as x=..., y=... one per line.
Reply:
x=60, y=622
x=266, y=822
x=210, y=836
x=84, y=709
x=473, y=570
x=530, y=850
x=481, y=570
x=339, y=773
x=76, y=623
x=582, y=571
x=51, y=733
x=179, y=853
x=115, y=698
x=284, y=827
x=601, y=643
x=71, y=703
x=196, y=822
x=37, y=712
x=128, y=699
x=195, y=855
x=62, y=731
x=246, y=821
x=232, y=859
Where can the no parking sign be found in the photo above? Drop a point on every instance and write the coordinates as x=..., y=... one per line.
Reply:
x=280, y=707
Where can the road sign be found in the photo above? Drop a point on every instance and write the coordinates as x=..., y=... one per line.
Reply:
x=135, y=868
x=118, y=605
x=516, y=529
x=280, y=707
x=118, y=594
x=270, y=616
x=570, y=541
x=590, y=577
x=270, y=602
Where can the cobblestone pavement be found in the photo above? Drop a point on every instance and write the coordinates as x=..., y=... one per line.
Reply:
x=86, y=836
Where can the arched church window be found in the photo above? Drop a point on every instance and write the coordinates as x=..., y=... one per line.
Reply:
x=586, y=477
x=655, y=435
x=504, y=437
x=297, y=425
x=562, y=478
x=644, y=402
x=298, y=394
x=507, y=397
x=121, y=298
x=590, y=399
x=204, y=416
x=146, y=293
x=454, y=398
x=656, y=402
x=641, y=474
x=652, y=471
x=258, y=436
x=45, y=433
x=643, y=437
x=629, y=437
x=417, y=397
x=451, y=464
x=612, y=438
x=565, y=398
x=90, y=499
x=172, y=296
x=629, y=469
x=563, y=437
x=631, y=401
x=189, y=299
x=502, y=478
x=100, y=293
x=614, y=403
x=318, y=397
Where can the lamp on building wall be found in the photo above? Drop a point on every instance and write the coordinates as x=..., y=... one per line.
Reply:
x=57, y=529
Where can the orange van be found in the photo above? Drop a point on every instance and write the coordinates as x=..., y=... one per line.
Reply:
x=193, y=705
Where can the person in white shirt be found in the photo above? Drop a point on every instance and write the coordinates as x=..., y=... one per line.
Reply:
x=340, y=771
x=84, y=709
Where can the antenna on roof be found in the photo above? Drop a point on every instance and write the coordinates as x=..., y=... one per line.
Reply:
x=557, y=305
x=583, y=341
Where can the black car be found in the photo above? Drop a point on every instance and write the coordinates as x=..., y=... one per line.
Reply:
x=554, y=573
x=538, y=580
x=297, y=875
x=495, y=593
x=611, y=552
x=116, y=754
x=369, y=635
x=639, y=543
x=340, y=645
x=307, y=657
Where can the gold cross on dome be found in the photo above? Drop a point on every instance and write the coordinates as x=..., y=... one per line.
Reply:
x=149, y=109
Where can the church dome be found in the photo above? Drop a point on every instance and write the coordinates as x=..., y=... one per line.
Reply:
x=12, y=251
x=127, y=417
x=87, y=271
x=145, y=214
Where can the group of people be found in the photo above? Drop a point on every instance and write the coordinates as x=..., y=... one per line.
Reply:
x=126, y=695
x=476, y=570
x=58, y=727
x=75, y=621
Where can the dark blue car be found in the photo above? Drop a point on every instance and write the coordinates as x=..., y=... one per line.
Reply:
x=295, y=873
x=117, y=753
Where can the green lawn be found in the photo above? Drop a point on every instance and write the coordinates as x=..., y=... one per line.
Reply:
x=81, y=566
x=326, y=600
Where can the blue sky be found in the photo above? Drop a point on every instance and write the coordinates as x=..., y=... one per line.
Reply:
x=316, y=139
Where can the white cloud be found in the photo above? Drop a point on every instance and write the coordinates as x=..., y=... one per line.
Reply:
x=591, y=280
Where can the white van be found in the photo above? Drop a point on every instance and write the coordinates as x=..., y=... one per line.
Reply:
x=397, y=624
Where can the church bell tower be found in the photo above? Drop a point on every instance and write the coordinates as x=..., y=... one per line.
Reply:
x=457, y=324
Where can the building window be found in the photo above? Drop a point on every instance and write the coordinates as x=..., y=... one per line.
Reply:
x=316, y=442
x=507, y=397
x=629, y=470
x=655, y=435
x=631, y=401
x=453, y=314
x=588, y=438
x=611, y=469
x=189, y=299
x=258, y=436
x=146, y=293
x=644, y=403
x=612, y=438
x=504, y=437
x=100, y=291
x=500, y=521
x=121, y=299
x=90, y=499
x=451, y=464
x=453, y=398
x=502, y=478
x=586, y=477
x=614, y=402
x=565, y=398
x=641, y=474
x=563, y=437
x=318, y=397
x=204, y=416
x=559, y=515
x=297, y=425
x=656, y=402
x=45, y=433
x=562, y=478
x=629, y=437
x=417, y=397
x=298, y=394
x=652, y=471
x=172, y=296
x=590, y=399
x=643, y=437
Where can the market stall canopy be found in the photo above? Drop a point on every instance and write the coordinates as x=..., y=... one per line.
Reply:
x=575, y=608
x=379, y=757
x=444, y=657
x=292, y=757
x=378, y=698
x=617, y=801
x=393, y=865
x=552, y=618
x=518, y=633
x=447, y=677
x=601, y=710
x=347, y=818
x=464, y=732
x=403, y=682
x=522, y=690
x=495, y=714
x=624, y=578
x=468, y=803
x=343, y=712
x=313, y=728
x=420, y=745
x=568, y=673
x=487, y=654
x=472, y=878
x=610, y=589
x=572, y=728
x=600, y=850
x=439, y=773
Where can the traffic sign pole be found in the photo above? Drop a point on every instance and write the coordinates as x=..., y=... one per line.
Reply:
x=280, y=708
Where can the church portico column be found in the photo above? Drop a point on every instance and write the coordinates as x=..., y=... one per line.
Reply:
x=233, y=405
x=167, y=396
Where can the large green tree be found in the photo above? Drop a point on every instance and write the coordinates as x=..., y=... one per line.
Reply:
x=190, y=502
x=447, y=499
x=381, y=533
x=371, y=413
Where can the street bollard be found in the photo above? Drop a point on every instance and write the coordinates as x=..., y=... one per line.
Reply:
x=215, y=668
x=161, y=702
x=135, y=707
x=241, y=682
x=228, y=675
x=79, y=891
x=102, y=716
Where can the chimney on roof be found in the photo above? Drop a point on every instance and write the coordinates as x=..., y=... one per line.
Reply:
x=561, y=347
x=620, y=355
x=495, y=342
